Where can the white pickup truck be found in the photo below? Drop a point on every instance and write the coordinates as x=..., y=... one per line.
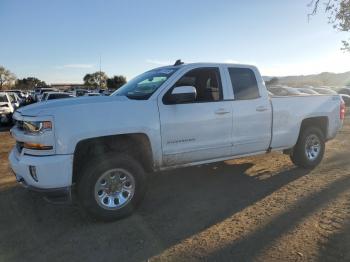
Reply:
x=168, y=117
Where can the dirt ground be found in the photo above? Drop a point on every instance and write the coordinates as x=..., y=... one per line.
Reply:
x=254, y=209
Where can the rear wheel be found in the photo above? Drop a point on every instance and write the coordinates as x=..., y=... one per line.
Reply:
x=309, y=150
x=112, y=188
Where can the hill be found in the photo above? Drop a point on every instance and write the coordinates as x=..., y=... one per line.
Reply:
x=322, y=79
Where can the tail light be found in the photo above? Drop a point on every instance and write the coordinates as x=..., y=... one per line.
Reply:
x=342, y=110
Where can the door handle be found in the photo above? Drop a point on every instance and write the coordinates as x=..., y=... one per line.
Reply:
x=222, y=111
x=261, y=108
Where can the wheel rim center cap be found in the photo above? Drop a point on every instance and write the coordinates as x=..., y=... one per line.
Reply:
x=115, y=187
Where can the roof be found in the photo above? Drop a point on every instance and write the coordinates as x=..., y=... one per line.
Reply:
x=204, y=64
x=50, y=93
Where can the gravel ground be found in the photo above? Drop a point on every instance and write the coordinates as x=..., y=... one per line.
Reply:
x=253, y=209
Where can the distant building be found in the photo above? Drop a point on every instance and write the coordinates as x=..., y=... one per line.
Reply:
x=68, y=86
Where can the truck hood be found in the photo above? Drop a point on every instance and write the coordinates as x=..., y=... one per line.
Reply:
x=50, y=107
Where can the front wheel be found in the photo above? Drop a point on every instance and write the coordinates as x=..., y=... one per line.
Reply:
x=112, y=188
x=310, y=148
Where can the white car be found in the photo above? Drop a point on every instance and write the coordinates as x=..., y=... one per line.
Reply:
x=6, y=107
x=55, y=95
x=80, y=92
x=307, y=90
x=346, y=99
x=285, y=91
x=92, y=94
x=16, y=100
x=168, y=117
x=40, y=92
x=324, y=91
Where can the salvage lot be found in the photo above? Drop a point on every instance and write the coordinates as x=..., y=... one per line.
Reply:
x=259, y=208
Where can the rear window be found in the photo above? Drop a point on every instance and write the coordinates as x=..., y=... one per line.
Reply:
x=244, y=83
x=58, y=96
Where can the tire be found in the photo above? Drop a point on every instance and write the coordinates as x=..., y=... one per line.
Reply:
x=118, y=177
x=310, y=148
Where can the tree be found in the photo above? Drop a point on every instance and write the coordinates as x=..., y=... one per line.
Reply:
x=6, y=77
x=29, y=83
x=115, y=82
x=272, y=81
x=96, y=80
x=338, y=12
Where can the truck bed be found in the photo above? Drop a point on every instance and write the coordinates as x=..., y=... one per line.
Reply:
x=290, y=111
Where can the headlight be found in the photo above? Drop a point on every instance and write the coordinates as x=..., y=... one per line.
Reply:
x=37, y=126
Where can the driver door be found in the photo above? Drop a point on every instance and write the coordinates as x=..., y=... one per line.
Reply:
x=197, y=130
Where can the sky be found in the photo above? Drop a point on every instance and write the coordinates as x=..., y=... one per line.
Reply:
x=59, y=41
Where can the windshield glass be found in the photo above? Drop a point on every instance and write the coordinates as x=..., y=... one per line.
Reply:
x=3, y=98
x=144, y=85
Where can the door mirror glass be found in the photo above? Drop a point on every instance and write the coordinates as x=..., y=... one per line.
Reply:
x=183, y=94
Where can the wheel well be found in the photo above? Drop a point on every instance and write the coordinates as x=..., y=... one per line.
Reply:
x=320, y=122
x=136, y=145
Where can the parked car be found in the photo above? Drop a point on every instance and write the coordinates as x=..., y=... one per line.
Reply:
x=55, y=95
x=17, y=95
x=20, y=93
x=107, y=92
x=93, y=94
x=16, y=101
x=284, y=91
x=80, y=92
x=165, y=118
x=307, y=90
x=325, y=91
x=346, y=99
x=44, y=95
x=39, y=92
x=6, y=108
x=344, y=90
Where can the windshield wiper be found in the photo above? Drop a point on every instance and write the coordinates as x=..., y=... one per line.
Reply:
x=137, y=97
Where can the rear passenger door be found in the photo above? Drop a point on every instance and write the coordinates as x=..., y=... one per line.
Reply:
x=252, y=112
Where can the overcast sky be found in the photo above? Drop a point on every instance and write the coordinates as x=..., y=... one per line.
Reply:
x=59, y=41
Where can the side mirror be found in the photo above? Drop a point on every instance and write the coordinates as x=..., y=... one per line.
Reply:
x=183, y=94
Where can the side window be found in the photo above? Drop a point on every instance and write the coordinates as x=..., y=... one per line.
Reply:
x=12, y=99
x=207, y=82
x=58, y=96
x=244, y=83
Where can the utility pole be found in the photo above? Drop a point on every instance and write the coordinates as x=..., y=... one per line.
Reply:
x=100, y=76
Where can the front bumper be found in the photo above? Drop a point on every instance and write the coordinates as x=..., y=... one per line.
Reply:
x=53, y=195
x=52, y=172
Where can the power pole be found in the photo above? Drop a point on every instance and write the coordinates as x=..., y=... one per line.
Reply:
x=100, y=76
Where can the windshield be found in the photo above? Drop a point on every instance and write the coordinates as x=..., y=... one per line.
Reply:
x=3, y=98
x=45, y=96
x=144, y=85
